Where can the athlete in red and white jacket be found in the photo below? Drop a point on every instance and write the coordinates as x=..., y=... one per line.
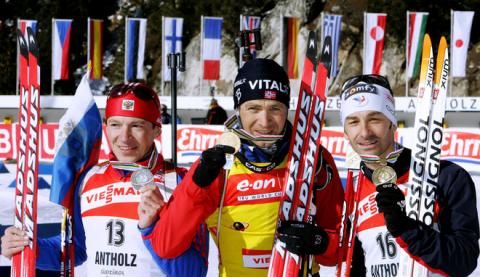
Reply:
x=106, y=206
x=450, y=246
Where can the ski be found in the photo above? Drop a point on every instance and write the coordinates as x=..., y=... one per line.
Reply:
x=297, y=194
x=425, y=163
x=23, y=263
x=437, y=117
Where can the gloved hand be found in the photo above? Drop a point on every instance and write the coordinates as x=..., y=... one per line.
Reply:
x=212, y=161
x=391, y=202
x=303, y=238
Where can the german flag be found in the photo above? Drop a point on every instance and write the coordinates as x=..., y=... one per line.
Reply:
x=95, y=48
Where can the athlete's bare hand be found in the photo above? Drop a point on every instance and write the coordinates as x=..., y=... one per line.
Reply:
x=13, y=241
x=150, y=203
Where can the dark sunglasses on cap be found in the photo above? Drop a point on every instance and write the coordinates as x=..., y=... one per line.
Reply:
x=369, y=79
x=138, y=89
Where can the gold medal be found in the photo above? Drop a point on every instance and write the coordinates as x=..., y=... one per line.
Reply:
x=384, y=174
x=229, y=139
x=232, y=140
x=141, y=178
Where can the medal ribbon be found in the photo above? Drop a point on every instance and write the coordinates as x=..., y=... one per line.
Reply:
x=233, y=124
x=390, y=158
x=131, y=166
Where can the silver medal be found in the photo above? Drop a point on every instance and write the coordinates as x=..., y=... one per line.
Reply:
x=140, y=178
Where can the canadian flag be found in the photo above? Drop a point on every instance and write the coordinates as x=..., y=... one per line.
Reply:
x=461, y=27
x=373, y=38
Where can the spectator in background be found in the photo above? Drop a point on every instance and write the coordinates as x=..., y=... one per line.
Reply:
x=166, y=117
x=216, y=114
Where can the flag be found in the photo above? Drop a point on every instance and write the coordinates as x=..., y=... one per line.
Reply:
x=135, y=33
x=416, y=25
x=77, y=145
x=332, y=27
x=95, y=48
x=289, y=46
x=249, y=23
x=60, y=48
x=171, y=41
x=211, y=47
x=462, y=25
x=373, y=39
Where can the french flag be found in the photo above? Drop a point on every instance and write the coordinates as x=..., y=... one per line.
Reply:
x=62, y=29
x=77, y=146
x=373, y=39
x=211, y=47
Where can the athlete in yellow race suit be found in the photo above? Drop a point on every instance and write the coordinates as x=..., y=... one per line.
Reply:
x=249, y=210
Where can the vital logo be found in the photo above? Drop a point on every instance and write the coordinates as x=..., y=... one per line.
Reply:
x=268, y=85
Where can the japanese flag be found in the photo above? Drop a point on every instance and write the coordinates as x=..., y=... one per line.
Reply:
x=373, y=39
x=461, y=26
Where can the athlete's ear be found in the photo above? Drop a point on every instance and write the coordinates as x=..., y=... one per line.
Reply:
x=157, y=130
x=393, y=127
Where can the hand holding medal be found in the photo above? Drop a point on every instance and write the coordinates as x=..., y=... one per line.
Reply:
x=229, y=139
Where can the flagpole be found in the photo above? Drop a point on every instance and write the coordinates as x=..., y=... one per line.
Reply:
x=88, y=50
x=449, y=89
x=16, y=79
x=240, y=49
x=406, y=55
x=364, y=41
x=162, y=83
x=125, y=77
x=53, y=42
x=201, y=55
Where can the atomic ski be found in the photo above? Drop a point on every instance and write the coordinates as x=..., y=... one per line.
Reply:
x=297, y=194
x=23, y=263
x=425, y=162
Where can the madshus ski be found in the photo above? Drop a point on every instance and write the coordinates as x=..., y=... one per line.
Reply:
x=428, y=127
x=297, y=194
x=23, y=263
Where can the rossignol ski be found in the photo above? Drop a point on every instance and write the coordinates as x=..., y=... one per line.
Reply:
x=297, y=194
x=425, y=162
x=23, y=263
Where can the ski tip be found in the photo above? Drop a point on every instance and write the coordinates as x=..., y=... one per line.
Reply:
x=443, y=43
x=326, y=55
x=427, y=42
x=312, y=46
x=442, y=60
x=32, y=42
x=22, y=43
